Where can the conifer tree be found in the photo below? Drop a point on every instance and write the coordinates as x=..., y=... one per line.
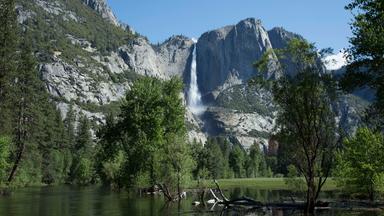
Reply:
x=237, y=161
x=8, y=59
x=26, y=92
x=69, y=124
x=82, y=166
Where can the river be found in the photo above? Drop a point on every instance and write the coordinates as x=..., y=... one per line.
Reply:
x=98, y=201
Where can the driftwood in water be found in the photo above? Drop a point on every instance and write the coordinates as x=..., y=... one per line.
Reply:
x=221, y=199
x=249, y=204
x=168, y=195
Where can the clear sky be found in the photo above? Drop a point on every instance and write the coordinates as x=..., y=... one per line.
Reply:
x=324, y=22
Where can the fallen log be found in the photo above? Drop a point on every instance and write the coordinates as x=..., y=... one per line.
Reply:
x=249, y=202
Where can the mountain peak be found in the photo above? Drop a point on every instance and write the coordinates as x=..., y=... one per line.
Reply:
x=250, y=21
x=336, y=61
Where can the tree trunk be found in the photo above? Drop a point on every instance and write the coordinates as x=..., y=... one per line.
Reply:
x=371, y=193
x=178, y=185
x=310, y=208
x=16, y=164
x=20, y=140
x=311, y=194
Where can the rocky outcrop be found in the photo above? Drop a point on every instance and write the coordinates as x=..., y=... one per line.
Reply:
x=280, y=37
x=350, y=111
x=22, y=14
x=69, y=82
x=92, y=81
x=171, y=58
x=55, y=8
x=230, y=52
x=244, y=127
x=101, y=7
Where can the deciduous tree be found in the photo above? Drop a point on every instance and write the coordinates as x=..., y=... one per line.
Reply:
x=306, y=122
x=360, y=164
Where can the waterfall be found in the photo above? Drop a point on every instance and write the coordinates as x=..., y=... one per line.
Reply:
x=194, y=96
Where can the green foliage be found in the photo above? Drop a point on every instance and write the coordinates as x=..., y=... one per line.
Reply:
x=366, y=53
x=102, y=35
x=360, y=164
x=82, y=169
x=37, y=127
x=8, y=59
x=214, y=159
x=256, y=165
x=69, y=123
x=5, y=144
x=83, y=137
x=177, y=164
x=306, y=122
x=50, y=34
x=42, y=147
x=150, y=131
x=293, y=180
x=220, y=159
x=111, y=170
x=237, y=161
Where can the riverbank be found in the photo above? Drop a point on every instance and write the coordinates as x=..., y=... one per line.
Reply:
x=260, y=183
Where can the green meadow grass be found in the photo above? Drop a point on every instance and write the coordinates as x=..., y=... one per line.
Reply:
x=262, y=183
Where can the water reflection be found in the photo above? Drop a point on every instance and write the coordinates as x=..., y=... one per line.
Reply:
x=97, y=201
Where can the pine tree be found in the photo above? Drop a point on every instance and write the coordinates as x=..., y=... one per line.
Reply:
x=82, y=167
x=8, y=59
x=69, y=123
x=53, y=145
x=237, y=161
x=84, y=141
x=26, y=94
x=214, y=158
x=254, y=160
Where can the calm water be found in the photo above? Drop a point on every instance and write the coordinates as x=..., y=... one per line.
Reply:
x=96, y=201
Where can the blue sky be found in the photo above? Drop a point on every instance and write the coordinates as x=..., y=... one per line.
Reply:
x=324, y=22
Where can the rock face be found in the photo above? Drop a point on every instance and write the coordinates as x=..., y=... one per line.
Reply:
x=68, y=82
x=280, y=37
x=92, y=77
x=171, y=58
x=93, y=82
x=101, y=7
x=228, y=53
x=96, y=78
x=225, y=60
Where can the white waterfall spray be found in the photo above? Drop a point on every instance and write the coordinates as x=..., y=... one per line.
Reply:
x=194, y=96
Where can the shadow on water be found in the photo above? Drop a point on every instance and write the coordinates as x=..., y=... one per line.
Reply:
x=97, y=201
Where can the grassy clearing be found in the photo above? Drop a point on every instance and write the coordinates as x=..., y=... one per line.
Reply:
x=262, y=183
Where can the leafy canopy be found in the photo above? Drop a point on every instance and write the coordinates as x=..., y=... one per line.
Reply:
x=360, y=165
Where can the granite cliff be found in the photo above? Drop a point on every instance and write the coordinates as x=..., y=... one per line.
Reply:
x=86, y=56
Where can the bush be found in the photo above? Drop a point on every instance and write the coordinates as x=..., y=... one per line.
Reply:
x=84, y=172
x=111, y=170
